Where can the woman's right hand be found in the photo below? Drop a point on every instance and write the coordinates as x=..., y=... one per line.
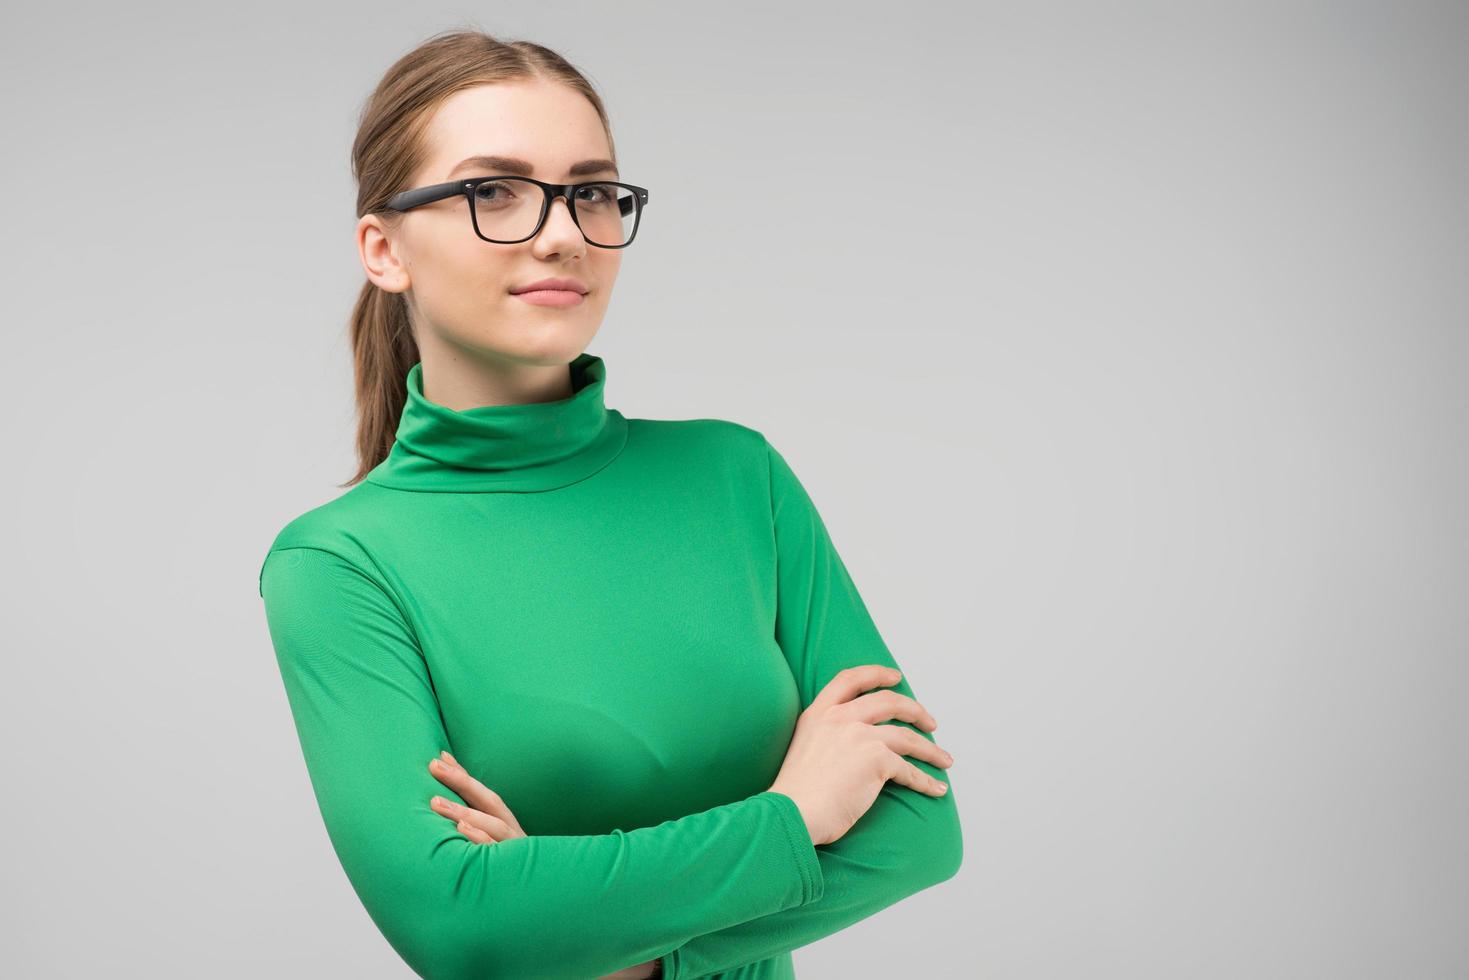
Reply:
x=840, y=757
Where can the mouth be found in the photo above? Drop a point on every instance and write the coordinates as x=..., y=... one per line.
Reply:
x=554, y=284
x=551, y=297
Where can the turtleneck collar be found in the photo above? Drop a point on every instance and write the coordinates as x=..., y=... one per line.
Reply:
x=517, y=448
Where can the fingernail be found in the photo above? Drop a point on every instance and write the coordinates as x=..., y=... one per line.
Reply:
x=943, y=788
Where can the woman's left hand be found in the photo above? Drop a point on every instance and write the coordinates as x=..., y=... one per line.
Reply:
x=486, y=820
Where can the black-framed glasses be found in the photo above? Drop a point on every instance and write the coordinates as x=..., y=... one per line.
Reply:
x=507, y=210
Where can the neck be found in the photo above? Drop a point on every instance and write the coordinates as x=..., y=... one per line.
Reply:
x=526, y=446
x=480, y=385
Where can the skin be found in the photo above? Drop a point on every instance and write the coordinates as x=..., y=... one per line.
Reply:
x=478, y=343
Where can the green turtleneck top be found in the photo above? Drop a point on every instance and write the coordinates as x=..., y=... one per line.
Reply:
x=613, y=623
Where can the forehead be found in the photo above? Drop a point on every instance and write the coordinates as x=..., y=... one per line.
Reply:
x=549, y=126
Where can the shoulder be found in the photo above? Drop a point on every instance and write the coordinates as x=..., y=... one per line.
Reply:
x=338, y=527
x=703, y=434
x=720, y=449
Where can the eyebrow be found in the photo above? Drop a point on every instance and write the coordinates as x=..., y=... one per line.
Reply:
x=523, y=168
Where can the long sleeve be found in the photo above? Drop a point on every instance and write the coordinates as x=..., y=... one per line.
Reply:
x=573, y=907
x=907, y=840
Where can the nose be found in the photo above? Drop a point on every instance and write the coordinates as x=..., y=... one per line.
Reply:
x=569, y=227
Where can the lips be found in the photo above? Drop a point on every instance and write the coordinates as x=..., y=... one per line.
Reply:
x=568, y=285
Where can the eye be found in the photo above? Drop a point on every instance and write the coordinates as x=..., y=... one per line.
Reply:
x=595, y=194
x=493, y=192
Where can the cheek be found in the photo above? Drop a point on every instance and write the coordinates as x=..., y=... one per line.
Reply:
x=605, y=266
x=464, y=274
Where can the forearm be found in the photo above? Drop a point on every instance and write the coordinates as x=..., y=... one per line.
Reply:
x=905, y=843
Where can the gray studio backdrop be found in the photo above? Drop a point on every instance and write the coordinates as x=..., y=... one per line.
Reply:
x=1123, y=348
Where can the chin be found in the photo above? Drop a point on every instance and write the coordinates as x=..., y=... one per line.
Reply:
x=546, y=344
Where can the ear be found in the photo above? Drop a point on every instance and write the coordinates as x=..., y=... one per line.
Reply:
x=377, y=246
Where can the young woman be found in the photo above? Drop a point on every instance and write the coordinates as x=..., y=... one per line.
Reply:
x=579, y=695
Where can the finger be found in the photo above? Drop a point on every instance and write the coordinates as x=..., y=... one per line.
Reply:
x=907, y=742
x=486, y=824
x=474, y=833
x=474, y=792
x=907, y=774
x=883, y=705
x=847, y=684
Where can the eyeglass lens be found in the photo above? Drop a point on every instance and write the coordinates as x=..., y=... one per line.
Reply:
x=506, y=210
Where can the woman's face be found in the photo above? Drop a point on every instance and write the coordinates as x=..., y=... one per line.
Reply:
x=457, y=285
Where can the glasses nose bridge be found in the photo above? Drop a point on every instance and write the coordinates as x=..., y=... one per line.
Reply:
x=563, y=191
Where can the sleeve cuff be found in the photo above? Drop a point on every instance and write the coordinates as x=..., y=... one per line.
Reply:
x=808, y=862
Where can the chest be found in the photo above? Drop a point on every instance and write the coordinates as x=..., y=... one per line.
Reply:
x=607, y=663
